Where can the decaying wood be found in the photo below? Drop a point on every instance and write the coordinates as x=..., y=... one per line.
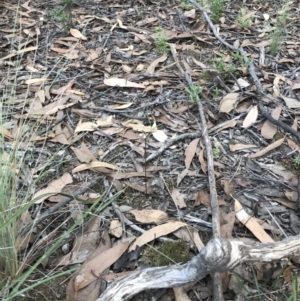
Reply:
x=219, y=255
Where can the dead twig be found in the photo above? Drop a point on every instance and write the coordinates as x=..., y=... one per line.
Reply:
x=57, y=206
x=218, y=255
x=170, y=142
x=218, y=292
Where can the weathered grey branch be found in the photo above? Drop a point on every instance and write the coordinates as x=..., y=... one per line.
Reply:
x=219, y=255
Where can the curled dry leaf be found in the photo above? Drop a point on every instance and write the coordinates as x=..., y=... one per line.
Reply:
x=251, y=117
x=148, y=216
x=156, y=232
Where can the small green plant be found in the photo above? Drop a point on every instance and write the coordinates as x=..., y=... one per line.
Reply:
x=294, y=295
x=186, y=5
x=283, y=16
x=276, y=40
x=217, y=91
x=160, y=40
x=217, y=8
x=193, y=92
x=140, y=13
x=244, y=18
x=216, y=152
x=170, y=252
x=238, y=57
x=296, y=162
x=219, y=64
x=63, y=14
x=204, y=75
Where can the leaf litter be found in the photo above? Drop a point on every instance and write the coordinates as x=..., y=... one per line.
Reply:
x=112, y=99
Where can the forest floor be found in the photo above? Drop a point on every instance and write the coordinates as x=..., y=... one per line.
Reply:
x=94, y=106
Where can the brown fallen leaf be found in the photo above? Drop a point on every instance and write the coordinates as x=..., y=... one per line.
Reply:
x=293, y=145
x=92, y=126
x=54, y=187
x=178, y=198
x=230, y=124
x=98, y=264
x=203, y=197
x=291, y=103
x=268, y=129
x=251, y=223
x=202, y=161
x=267, y=149
x=156, y=232
x=251, y=117
x=181, y=176
x=190, y=152
x=83, y=154
x=227, y=228
x=148, y=216
x=153, y=65
x=140, y=188
x=93, y=165
x=190, y=235
x=291, y=195
x=84, y=245
x=237, y=147
x=228, y=186
x=228, y=102
x=121, y=82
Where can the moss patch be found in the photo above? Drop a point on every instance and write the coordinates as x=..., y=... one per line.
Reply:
x=167, y=253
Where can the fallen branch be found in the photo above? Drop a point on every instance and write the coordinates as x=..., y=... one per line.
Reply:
x=219, y=255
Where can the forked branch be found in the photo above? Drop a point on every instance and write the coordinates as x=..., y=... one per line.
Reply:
x=219, y=255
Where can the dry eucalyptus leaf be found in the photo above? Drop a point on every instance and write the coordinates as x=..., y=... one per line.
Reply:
x=251, y=117
x=190, y=152
x=121, y=82
x=237, y=147
x=178, y=198
x=156, y=232
x=148, y=216
x=268, y=129
x=53, y=187
x=228, y=102
x=77, y=34
x=251, y=223
x=267, y=149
